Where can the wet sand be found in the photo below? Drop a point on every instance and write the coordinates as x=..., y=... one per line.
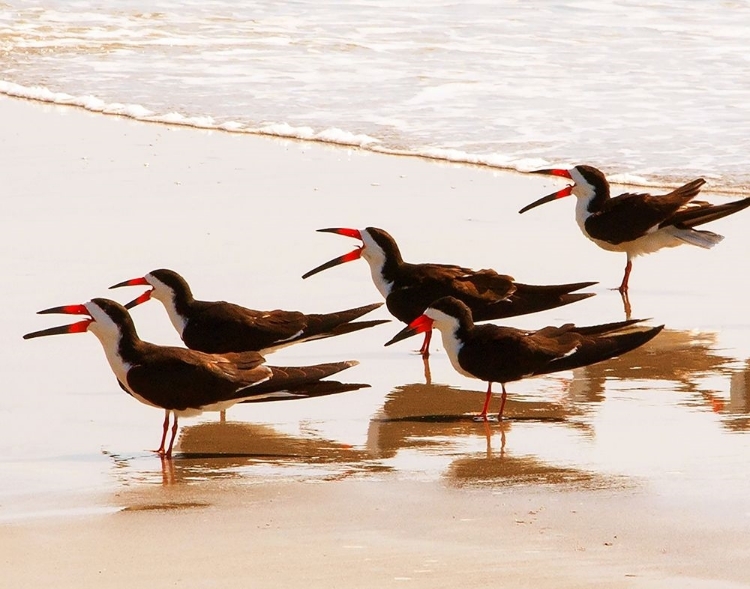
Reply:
x=631, y=473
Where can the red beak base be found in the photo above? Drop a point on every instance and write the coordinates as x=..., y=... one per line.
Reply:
x=132, y=282
x=343, y=231
x=353, y=255
x=79, y=327
x=421, y=324
x=554, y=172
x=65, y=310
x=139, y=300
x=568, y=190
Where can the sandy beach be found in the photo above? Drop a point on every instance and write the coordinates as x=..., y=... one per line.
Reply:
x=631, y=473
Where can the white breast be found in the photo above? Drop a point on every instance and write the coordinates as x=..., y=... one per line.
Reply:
x=375, y=257
x=452, y=347
x=448, y=326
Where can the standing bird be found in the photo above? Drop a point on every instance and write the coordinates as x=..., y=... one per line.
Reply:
x=185, y=382
x=409, y=288
x=638, y=223
x=504, y=354
x=218, y=327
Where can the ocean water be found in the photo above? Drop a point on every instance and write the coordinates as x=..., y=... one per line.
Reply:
x=652, y=92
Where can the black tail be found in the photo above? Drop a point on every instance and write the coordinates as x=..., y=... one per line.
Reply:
x=551, y=289
x=695, y=216
x=324, y=325
x=321, y=388
x=686, y=192
x=603, y=345
x=606, y=328
x=529, y=298
x=288, y=378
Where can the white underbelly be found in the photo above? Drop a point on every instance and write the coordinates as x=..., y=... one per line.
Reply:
x=223, y=405
x=647, y=244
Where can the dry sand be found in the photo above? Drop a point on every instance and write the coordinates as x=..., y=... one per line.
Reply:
x=640, y=498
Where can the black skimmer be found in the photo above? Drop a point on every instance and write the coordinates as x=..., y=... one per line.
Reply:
x=409, y=288
x=218, y=327
x=504, y=354
x=184, y=382
x=638, y=223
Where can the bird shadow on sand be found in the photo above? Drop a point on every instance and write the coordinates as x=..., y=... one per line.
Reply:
x=235, y=450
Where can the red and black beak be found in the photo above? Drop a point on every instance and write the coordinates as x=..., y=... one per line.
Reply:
x=421, y=324
x=353, y=255
x=568, y=190
x=136, y=282
x=78, y=327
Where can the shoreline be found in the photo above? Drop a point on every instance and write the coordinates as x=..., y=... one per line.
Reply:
x=369, y=144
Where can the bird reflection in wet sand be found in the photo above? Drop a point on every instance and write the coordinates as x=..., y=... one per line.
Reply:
x=403, y=424
x=626, y=306
x=434, y=415
x=683, y=357
x=218, y=450
x=508, y=470
x=735, y=412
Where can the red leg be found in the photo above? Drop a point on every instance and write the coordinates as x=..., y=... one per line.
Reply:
x=174, y=435
x=502, y=402
x=160, y=451
x=427, y=373
x=626, y=305
x=425, y=349
x=624, y=286
x=483, y=414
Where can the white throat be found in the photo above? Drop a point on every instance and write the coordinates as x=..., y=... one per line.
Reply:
x=375, y=257
x=448, y=326
x=164, y=294
x=108, y=333
x=584, y=193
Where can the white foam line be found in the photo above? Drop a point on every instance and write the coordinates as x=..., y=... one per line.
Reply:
x=284, y=130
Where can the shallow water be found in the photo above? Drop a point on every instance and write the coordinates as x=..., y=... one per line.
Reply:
x=654, y=92
x=671, y=418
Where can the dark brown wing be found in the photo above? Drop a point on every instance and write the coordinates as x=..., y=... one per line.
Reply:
x=422, y=284
x=628, y=216
x=292, y=377
x=486, y=285
x=176, y=378
x=503, y=354
x=219, y=327
x=449, y=274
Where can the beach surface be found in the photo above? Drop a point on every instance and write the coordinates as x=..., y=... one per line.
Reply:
x=630, y=473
